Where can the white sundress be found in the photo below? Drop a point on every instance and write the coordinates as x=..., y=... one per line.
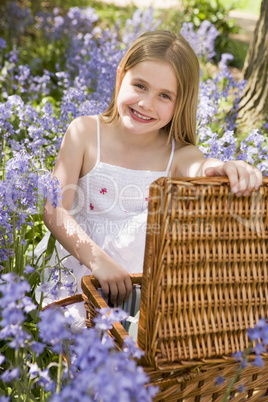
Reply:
x=111, y=205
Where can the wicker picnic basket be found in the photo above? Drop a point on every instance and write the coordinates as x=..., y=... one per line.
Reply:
x=205, y=282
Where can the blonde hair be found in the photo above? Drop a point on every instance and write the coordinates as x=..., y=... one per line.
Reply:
x=174, y=49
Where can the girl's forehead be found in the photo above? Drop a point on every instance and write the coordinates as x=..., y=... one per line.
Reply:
x=153, y=68
x=153, y=64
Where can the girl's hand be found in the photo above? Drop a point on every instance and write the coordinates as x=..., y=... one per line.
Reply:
x=114, y=280
x=242, y=176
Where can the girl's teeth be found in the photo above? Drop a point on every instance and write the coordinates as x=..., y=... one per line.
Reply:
x=140, y=116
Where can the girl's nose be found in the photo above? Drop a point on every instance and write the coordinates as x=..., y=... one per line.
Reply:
x=146, y=103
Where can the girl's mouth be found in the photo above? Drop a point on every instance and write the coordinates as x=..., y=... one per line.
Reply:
x=140, y=117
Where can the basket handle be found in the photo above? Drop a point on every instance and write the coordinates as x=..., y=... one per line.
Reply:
x=65, y=302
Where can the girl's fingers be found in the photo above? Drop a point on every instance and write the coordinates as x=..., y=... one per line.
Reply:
x=128, y=285
x=243, y=177
x=258, y=174
x=241, y=180
x=250, y=178
x=215, y=171
x=124, y=290
x=105, y=289
x=255, y=180
x=114, y=281
x=236, y=179
x=113, y=292
x=121, y=292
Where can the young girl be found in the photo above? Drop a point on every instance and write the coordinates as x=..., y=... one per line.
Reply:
x=106, y=164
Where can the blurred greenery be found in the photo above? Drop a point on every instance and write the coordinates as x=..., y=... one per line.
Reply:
x=216, y=12
x=246, y=6
x=195, y=11
x=110, y=13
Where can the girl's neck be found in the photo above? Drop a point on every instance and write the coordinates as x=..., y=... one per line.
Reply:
x=142, y=152
x=126, y=139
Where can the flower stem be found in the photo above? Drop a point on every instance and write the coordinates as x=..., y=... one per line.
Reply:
x=59, y=374
x=229, y=389
x=42, y=395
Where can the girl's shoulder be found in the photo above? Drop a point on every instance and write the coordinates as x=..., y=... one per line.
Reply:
x=80, y=142
x=81, y=137
x=185, y=156
x=82, y=127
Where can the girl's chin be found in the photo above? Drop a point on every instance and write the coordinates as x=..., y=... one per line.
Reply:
x=138, y=129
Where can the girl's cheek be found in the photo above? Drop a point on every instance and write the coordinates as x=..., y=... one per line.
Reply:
x=130, y=98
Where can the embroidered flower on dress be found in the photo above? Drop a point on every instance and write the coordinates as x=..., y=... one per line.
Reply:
x=103, y=190
x=146, y=198
x=91, y=206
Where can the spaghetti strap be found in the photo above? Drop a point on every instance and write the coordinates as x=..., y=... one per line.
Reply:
x=98, y=139
x=171, y=156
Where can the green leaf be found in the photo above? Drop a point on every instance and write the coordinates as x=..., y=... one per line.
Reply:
x=50, y=247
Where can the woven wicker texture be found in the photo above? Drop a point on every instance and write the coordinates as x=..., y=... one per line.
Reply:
x=205, y=278
x=205, y=281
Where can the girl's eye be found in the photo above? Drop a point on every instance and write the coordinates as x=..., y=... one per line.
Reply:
x=165, y=96
x=140, y=86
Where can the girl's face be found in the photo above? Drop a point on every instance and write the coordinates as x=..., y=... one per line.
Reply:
x=147, y=97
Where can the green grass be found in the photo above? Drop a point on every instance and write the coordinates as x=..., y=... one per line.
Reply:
x=246, y=6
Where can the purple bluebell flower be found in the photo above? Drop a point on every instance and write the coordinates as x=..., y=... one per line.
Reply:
x=241, y=388
x=219, y=380
x=3, y=43
x=131, y=347
x=259, y=348
x=104, y=373
x=254, y=334
x=46, y=381
x=15, y=306
x=57, y=333
x=10, y=375
x=258, y=362
x=37, y=347
x=244, y=362
x=201, y=41
x=141, y=21
x=34, y=370
x=117, y=315
x=28, y=269
x=21, y=192
x=4, y=399
x=254, y=150
x=17, y=19
x=238, y=356
x=102, y=321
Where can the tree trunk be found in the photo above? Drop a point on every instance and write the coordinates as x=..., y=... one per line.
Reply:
x=253, y=106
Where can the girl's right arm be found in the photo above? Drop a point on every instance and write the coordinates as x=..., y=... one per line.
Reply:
x=114, y=280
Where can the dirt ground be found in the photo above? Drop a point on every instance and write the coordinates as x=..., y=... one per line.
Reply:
x=246, y=22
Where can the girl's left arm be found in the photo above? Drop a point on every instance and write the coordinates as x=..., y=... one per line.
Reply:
x=242, y=176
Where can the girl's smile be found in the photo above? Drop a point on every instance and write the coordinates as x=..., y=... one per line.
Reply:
x=147, y=97
x=139, y=116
